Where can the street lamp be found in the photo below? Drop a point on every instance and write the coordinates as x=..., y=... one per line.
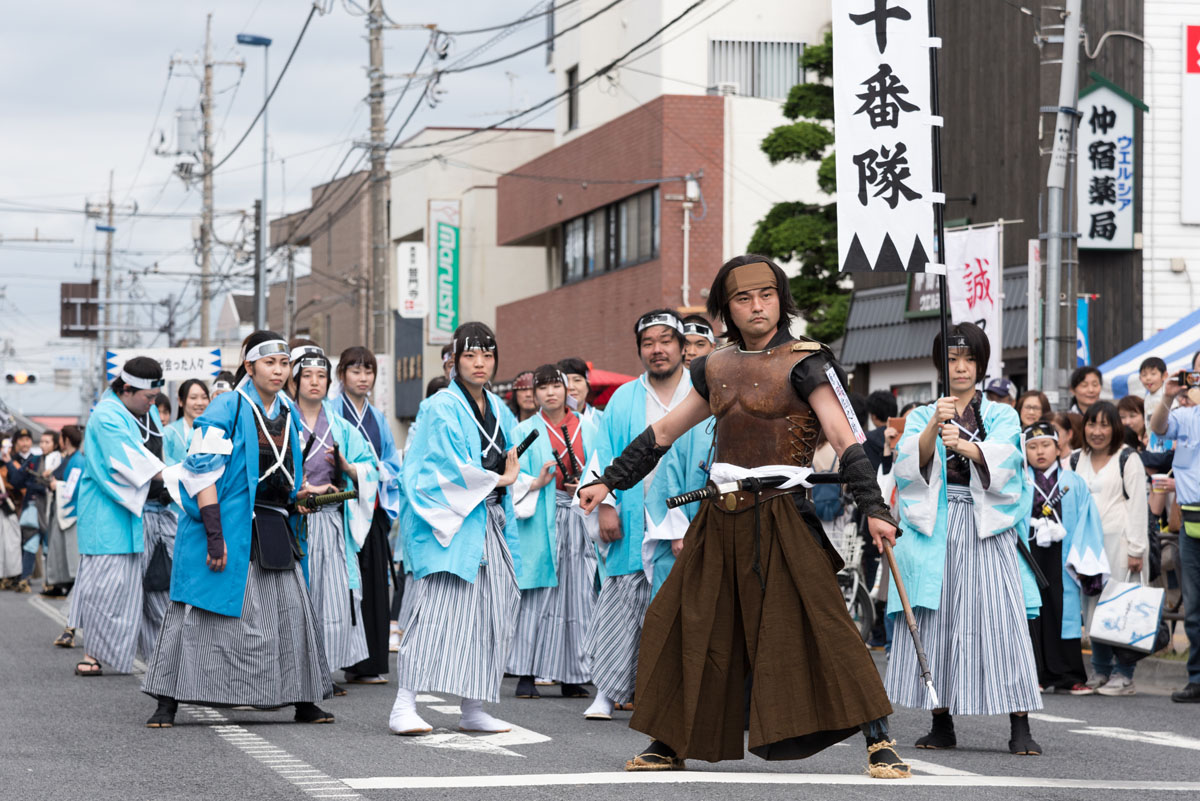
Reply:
x=260, y=269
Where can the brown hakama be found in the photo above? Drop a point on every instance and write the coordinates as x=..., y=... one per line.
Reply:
x=814, y=681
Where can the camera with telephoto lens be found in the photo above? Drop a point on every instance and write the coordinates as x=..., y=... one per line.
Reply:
x=1188, y=378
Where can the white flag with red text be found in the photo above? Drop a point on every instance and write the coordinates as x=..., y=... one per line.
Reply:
x=974, y=281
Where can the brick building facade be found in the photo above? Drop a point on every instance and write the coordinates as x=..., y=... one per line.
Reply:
x=648, y=149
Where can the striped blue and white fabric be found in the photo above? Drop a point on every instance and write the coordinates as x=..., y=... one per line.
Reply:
x=615, y=633
x=458, y=633
x=158, y=526
x=106, y=606
x=1176, y=345
x=567, y=615
x=528, y=632
x=10, y=546
x=269, y=656
x=338, y=607
x=977, y=640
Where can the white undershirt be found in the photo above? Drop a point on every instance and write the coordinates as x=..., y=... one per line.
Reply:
x=656, y=410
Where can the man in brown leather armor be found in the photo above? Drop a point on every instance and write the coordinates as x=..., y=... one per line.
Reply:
x=754, y=591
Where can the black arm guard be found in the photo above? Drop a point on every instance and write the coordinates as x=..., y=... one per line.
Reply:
x=636, y=462
x=858, y=477
x=211, y=517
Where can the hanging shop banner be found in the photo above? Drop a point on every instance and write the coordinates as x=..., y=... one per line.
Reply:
x=1033, y=315
x=881, y=88
x=1189, y=185
x=1105, y=173
x=412, y=280
x=974, y=283
x=178, y=364
x=444, y=231
x=1083, y=344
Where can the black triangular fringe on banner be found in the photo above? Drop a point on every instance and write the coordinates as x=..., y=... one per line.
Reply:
x=889, y=258
x=856, y=258
x=919, y=258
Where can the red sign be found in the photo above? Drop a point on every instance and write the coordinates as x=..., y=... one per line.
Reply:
x=1191, y=54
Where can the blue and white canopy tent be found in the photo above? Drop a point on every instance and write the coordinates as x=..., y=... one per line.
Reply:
x=1176, y=345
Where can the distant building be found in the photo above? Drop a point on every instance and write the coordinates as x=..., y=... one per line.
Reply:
x=235, y=322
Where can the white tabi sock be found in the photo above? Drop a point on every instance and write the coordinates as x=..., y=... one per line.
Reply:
x=475, y=719
x=601, y=708
x=404, y=719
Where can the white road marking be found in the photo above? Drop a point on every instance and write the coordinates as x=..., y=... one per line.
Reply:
x=428, y=699
x=1053, y=718
x=493, y=744
x=448, y=710
x=936, y=770
x=295, y=771
x=700, y=777
x=1152, y=737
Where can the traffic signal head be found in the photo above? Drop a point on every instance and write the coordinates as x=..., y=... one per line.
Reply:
x=21, y=378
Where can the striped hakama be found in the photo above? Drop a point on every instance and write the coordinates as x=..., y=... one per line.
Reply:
x=106, y=605
x=271, y=656
x=337, y=607
x=62, y=553
x=977, y=641
x=568, y=613
x=158, y=525
x=458, y=634
x=10, y=546
x=615, y=631
x=406, y=602
x=528, y=633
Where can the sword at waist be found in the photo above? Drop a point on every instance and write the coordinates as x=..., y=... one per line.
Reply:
x=752, y=484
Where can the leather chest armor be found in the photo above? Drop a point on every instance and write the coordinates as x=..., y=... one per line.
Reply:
x=760, y=418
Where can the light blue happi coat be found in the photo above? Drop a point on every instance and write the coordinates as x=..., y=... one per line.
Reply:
x=1082, y=547
x=224, y=452
x=624, y=419
x=446, y=487
x=388, y=459
x=1005, y=504
x=66, y=493
x=116, y=479
x=176, y=438
x=357, y=513
x=683, y=469
x=536, y=511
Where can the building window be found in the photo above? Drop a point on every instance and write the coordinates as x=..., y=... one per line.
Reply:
x=621, y=234
x=754, y=69
x=573, y=98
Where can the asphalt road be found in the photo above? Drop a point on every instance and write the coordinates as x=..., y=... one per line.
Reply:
x=65, y=737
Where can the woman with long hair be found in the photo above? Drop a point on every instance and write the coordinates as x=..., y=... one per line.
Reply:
x=240, y=629
x=193, y=400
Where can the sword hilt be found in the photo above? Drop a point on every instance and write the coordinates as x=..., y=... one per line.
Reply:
x=315, y=501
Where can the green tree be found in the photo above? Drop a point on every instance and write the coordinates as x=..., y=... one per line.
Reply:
x=807, y=232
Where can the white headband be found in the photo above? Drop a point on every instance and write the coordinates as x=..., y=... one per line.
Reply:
x=305, y=350
x=669, y=320
x=139, y=382
x=475, y=343
x=263, y=349
x=317, y=360
x=699, y=330
x=224, y=386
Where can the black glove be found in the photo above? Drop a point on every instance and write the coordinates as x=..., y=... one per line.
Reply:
x=858, y=477
x=635, y=462
x=211, y=517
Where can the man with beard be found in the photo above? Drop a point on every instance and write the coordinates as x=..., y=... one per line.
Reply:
x=612, y=640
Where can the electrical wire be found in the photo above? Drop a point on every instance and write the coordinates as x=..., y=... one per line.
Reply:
x=583, y=82
x=153, y=127
x=551, y=8
x=312, y=12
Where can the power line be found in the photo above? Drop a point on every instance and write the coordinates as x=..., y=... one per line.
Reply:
x=606, y=68
x=551, y=8
x=312, y=12
x=153, y=127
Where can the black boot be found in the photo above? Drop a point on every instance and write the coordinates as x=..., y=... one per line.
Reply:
x=574, y=691
x=1188, y=695
x=311, y=713
x=1022, y=742
x=941, y=734
x=526, y=688
x=164, y=716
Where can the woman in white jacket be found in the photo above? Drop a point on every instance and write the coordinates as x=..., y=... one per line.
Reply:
x=1117, y=481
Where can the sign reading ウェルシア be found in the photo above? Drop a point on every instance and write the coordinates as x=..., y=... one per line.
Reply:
x=1104, y=186
x=881, y=86
x=444, y=247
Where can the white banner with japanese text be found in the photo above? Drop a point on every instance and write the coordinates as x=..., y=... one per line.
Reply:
x=881, y=88
x=178, y=364
x=1105, y=172
x=974, y=282
x=412, y=280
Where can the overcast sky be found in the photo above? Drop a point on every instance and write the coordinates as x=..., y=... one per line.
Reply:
x=82, y=82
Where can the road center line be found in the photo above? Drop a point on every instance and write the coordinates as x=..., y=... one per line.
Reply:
x=936, y=770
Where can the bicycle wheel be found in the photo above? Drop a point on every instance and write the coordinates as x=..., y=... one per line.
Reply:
x=862, y=612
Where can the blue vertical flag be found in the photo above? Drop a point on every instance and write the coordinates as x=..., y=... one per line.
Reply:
x=1083, y=345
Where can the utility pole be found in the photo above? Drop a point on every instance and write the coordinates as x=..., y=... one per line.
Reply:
x=378, y=312
x=108, y=247
x=1060, y=299
x=289, y=311
x=260, y=272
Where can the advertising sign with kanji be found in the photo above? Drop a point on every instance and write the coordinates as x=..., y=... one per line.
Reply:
x=178, y=364
x=881, y=87
x=412, y=280
x=1189, y=85
x=974, y=282
x=1105, y=175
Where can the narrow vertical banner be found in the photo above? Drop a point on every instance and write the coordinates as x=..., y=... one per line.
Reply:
x=1083, y=343
x=1189, y=186
x=974, y=282
x=444, y=234
x=885, y=163
x=412, y=280
x=1033, y=315
x=1105, y=177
